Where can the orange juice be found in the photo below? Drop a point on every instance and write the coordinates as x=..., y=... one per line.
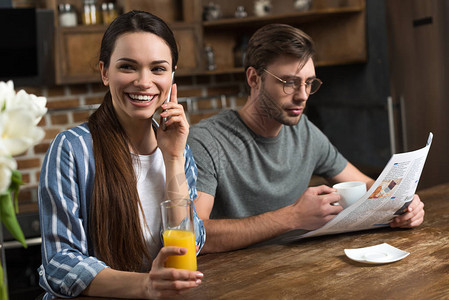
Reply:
x=185, y=239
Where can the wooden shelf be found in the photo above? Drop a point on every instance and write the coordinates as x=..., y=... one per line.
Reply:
x=222, y=71
x=294, y=17
x=337, y=29
x=328, y=63
x=83, y=28
x=339, y=33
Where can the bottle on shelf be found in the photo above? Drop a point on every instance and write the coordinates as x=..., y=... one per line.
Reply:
x=109, y=12
x=210, y=58
x=91, y=15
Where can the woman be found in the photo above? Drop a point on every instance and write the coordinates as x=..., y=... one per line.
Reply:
x=101, y=182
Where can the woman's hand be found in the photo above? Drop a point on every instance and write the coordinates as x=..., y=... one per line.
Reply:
x=413, y=215
x=173, y=139
x=168, y=282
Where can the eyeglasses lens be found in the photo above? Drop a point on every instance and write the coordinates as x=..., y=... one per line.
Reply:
x=314, y=86
x=311, y=87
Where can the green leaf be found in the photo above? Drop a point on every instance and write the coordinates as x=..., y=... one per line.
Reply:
x=3, y=290
x=8, y=216
x=16, y=182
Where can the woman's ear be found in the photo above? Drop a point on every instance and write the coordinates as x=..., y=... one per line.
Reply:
x=104, y=73
x=252, y=78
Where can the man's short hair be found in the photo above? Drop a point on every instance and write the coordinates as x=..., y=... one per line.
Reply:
x=274, y=40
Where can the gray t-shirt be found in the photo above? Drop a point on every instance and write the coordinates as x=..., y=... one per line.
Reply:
x=249, y=174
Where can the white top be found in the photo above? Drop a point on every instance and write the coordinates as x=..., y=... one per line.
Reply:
x=150, y=173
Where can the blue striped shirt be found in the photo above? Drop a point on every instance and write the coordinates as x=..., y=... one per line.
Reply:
x=65, y=188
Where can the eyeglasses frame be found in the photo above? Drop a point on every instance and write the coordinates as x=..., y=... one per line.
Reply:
x=302, y=83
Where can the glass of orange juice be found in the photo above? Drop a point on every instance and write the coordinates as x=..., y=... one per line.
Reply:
x=178, y=230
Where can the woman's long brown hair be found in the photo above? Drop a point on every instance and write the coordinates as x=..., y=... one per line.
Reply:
x=115, y=224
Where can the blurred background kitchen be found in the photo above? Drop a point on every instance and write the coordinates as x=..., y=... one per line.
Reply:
x=383, y=65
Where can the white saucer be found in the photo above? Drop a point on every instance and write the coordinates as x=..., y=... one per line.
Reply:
x=379, y=254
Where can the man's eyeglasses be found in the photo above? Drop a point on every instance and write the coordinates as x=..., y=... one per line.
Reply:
x=292, y=85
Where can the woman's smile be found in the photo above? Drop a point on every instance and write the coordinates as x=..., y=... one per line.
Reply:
x=139, y=99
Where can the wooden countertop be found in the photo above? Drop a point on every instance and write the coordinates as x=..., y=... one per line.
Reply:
x=317, y=268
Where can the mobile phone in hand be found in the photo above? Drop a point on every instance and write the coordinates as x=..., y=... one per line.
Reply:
x=164, y=120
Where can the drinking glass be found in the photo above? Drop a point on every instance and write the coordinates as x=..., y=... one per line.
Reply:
x=178, y=230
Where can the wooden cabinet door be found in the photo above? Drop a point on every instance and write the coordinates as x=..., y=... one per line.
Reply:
x=78, y=52
x=189, y=45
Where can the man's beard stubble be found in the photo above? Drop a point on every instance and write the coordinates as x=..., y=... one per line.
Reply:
x=270, y=109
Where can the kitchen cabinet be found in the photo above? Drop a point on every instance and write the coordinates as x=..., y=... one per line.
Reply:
x=337, y=27
x=78, y=47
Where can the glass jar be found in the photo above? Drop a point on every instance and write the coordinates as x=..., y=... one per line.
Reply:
x=262, y=7
x=108, y=12
x=240, y=12
x=212, y=12
x=67, y=15
x=302, y=5
x=91, y=15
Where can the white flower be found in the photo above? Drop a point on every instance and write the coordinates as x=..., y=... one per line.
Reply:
x=19, y=115
x=7, y=164
x=34, y=105
x=18, y=131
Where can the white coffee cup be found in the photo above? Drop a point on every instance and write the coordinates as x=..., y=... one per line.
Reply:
x=350, y=192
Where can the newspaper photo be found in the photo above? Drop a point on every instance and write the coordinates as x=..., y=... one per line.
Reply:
x=388, y=197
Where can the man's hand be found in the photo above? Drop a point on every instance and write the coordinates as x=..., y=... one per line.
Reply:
x=314, y=208
x=412, y=217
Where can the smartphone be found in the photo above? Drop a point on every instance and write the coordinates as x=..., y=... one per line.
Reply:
x=168, y=99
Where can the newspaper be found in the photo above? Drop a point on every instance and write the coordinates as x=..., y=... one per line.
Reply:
x=388, y=197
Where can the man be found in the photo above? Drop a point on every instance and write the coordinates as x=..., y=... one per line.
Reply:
x=255, y=164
